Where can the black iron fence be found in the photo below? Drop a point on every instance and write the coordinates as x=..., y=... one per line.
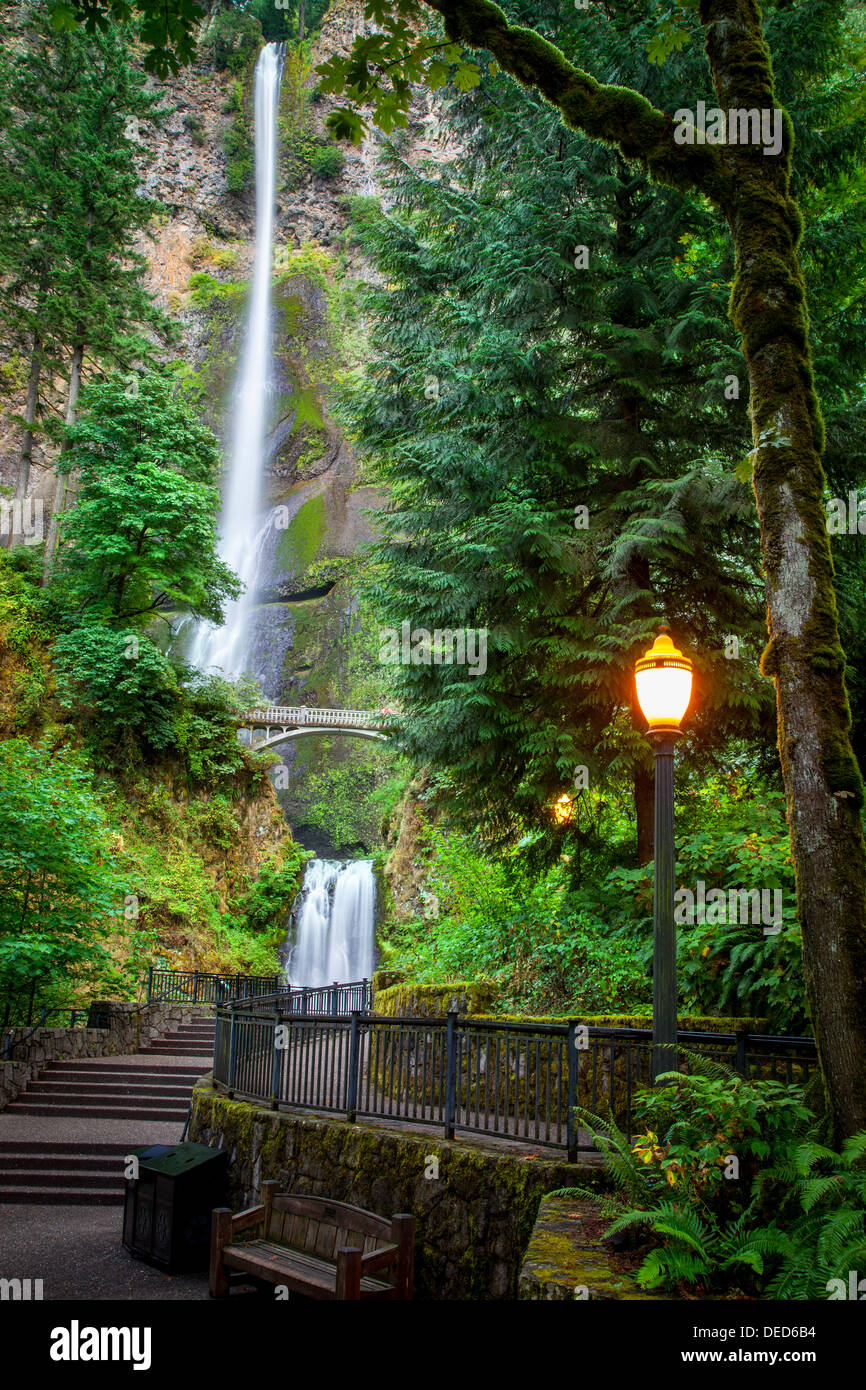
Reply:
x=336, y=1000
x=198, y=987
x=517, y=1081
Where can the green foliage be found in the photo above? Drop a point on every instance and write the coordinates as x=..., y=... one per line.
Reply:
x=490, y=917
x=826, y=1239
x=238, y=144
x=698, y=1182
x=731, y=834
x=73, y=207
x=787, y=1221
x=326, y=161
x=120, y=686
x=232, y=38
x=301, y=149
x=58, y=891
x=141, y=540
x=266, y=903
x=205, y=728
x=558, y=452
x=342, y=796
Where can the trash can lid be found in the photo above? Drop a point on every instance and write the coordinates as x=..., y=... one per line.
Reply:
x=175, y=1158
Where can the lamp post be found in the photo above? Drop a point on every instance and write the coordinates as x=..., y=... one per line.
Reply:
x=664, y=686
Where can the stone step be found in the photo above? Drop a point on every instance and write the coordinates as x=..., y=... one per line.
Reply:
x=58, y=1163
x=78, y=1177
x=107, y=1086
x=63, y=1196
x=60, y=1146
x=148, y=1110
x=69, y=1070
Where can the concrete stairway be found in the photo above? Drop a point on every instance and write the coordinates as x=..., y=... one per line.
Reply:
x=115, y=1095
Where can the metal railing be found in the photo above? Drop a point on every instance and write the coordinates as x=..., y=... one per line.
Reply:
x=337, y=1000
x=198, y=987
x=517, y=1081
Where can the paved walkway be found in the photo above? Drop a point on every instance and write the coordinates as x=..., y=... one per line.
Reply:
x=62, y=1148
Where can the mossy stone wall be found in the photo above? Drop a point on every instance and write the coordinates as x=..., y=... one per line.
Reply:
x=434, y=1001
x=474, y=1220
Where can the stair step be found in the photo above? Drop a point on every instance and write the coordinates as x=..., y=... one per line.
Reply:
x=72, y=1090
x=84, y=1096
x=101, y=1112
x=56, y=1163
x=59, y=1146
x=81, y=1177
x=63, y=1196
x=62, y=1071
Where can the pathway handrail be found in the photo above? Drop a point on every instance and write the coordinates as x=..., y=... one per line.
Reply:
x=335, y=1000
x=203, y=987
x=518, y=1080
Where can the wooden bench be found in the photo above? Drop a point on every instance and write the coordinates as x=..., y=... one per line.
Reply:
x=313, y=1246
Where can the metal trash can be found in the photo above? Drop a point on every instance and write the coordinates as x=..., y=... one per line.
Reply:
x=167, y=1208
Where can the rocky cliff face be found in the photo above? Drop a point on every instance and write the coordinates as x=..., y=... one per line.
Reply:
x=200, y=255
x=307, y=614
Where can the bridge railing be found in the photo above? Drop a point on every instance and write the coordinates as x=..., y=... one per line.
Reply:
x=303, y=714
x=517, y=1081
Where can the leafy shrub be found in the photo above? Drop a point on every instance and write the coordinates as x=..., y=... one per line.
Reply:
x=205, y=727
x=58, y=890
x=789, y=1220
x=231, y=40
x=326, y=161
x=120, y=682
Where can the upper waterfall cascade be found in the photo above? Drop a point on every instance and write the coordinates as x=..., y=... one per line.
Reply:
x=243, y=529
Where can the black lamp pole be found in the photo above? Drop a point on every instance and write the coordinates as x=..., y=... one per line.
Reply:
x=664, y=930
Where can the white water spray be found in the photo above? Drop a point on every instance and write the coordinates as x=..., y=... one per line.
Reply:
x=242, y=529
x=334, y=924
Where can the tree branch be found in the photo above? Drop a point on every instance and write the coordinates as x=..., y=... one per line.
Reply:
x=617, y=116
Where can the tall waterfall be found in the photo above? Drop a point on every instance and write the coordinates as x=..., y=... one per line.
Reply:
x=242, y=527
x=334, y=923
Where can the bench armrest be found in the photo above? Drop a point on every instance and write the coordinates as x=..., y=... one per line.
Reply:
x=252, y=1216
x=379, y=1259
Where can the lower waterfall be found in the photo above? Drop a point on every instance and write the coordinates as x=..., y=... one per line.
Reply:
x=333, y=924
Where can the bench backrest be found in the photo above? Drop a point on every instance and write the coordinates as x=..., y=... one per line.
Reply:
x=320, y=1227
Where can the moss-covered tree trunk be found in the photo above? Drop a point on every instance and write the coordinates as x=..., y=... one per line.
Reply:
x=804, y=656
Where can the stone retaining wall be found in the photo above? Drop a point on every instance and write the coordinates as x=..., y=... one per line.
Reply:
x=128, y=1029
x=474, y=1219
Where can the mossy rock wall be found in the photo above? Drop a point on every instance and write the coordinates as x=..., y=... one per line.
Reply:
x=566, y=1261
x=474, y=1220
x=409, y=1000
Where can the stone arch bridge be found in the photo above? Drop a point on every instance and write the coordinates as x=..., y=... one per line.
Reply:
x=281, y=722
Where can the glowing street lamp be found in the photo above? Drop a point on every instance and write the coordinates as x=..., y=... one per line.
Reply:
x=563, y=809
x=664, y=687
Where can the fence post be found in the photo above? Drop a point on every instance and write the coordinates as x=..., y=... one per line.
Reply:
x=450, y=1073
x=571, y=1073
x=195, y=988
x=354, y=1060
x=365, y=994
x=149, y=983
x=335, y=997
x=232, y=1048
x=304, y=995
x=275, y=1067
x=742, y=1060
